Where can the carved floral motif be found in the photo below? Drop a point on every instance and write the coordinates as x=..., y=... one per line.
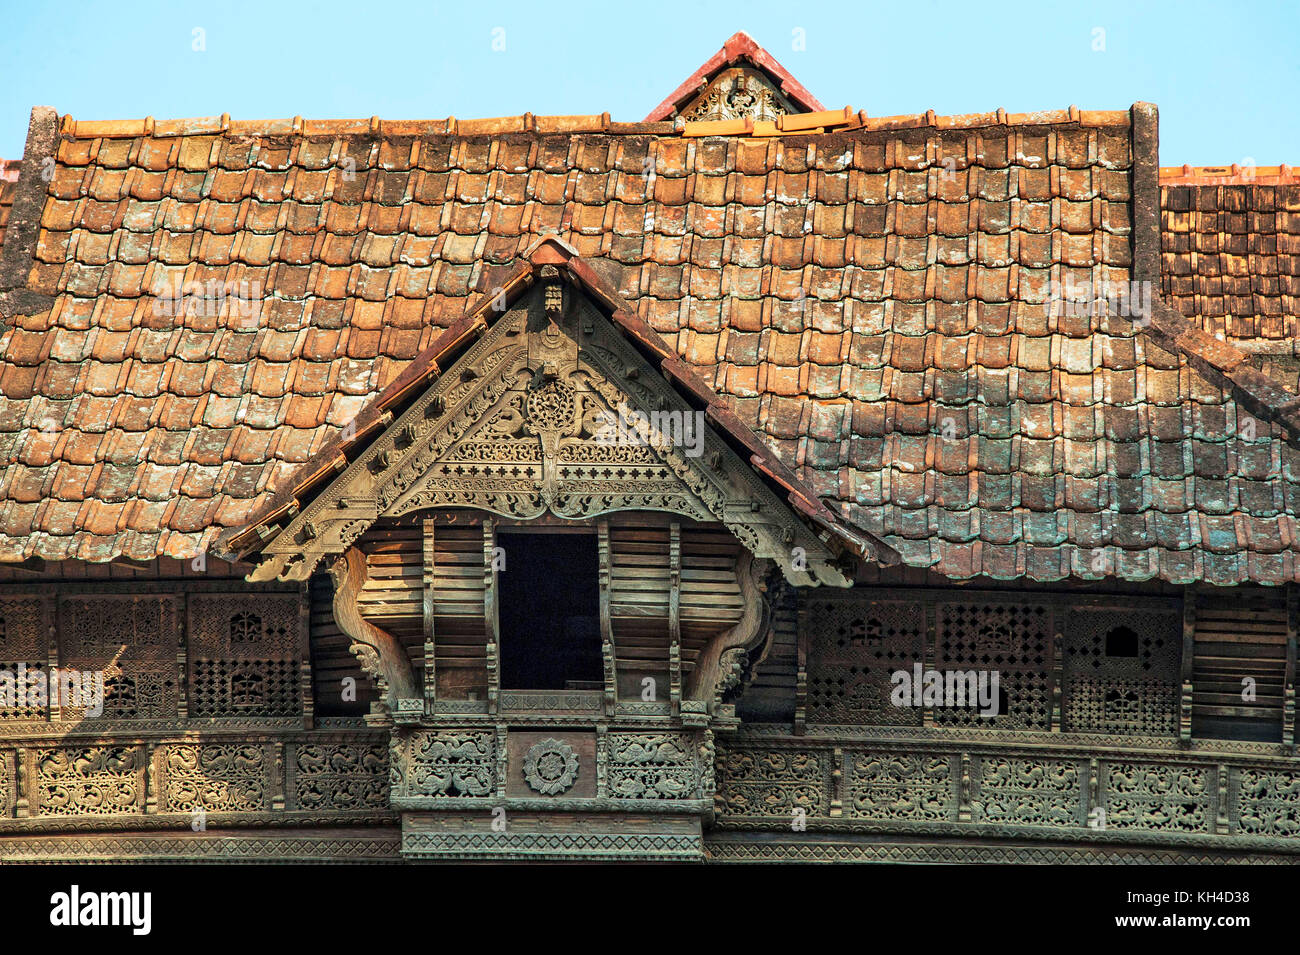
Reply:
x=550, y=766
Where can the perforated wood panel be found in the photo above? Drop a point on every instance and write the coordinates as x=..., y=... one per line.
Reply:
x=138, y=636
x=1014, y=639
x=24, y=641
x=853, y=648
x=245, y=653
x=1121, y=671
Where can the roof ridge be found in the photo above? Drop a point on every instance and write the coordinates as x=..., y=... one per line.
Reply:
x=799, y=123
x=1234, y=174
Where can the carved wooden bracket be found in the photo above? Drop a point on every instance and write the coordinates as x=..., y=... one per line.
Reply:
x=721, y=663
x=382, y=656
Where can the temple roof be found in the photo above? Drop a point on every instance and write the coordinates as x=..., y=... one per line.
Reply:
x=195, y=309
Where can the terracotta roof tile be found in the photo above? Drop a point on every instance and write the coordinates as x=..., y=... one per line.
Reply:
x=845, y=298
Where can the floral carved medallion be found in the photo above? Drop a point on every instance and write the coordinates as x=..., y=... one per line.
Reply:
x=551, y=767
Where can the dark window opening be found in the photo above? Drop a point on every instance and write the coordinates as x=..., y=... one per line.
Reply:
x=549, y=612
x=1121, y=642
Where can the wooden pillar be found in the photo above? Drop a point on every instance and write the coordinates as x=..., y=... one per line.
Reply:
x=53, y=714
x=607, y=651
x=430, y=672
x=182, y=659
x=836, y=809
x=929, y=651
x=304, y=658
x=675, y=617
x=801, y=673
x=491, y=614
x=1057, y=694
x=1189, y=654
x=1288, y=682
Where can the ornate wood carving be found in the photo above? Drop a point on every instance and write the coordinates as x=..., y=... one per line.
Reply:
x=721, y=664
x=675, y=617
x=1189, y=647
x=380, y=654
x=739, y=93
x=429, y=560
x=608, y=651
x=1288, y=680
x=550, y=412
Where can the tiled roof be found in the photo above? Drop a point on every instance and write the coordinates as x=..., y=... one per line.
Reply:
x=868, y=299
x=1231, y=253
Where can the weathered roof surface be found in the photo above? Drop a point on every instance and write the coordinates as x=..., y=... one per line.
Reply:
x=1231, y=253
x=869, y=299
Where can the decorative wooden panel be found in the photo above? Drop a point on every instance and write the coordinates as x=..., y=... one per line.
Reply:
x=93, y=780
x=1012, y=638
x=24, y=640
x=245, y=653
x=138, y=635
x=853, y=648
x=1121, y=671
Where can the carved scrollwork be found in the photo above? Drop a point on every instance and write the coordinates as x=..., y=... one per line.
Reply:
x=380, y=654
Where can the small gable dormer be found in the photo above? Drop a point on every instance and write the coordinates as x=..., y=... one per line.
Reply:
x=741, y=81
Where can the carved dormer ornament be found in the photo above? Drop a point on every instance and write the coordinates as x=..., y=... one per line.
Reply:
x=739, y=93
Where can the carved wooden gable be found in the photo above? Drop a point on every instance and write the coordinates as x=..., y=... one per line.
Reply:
x=552, y=411
x=740, y=93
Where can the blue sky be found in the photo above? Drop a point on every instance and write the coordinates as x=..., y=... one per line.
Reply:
x=1225, y=76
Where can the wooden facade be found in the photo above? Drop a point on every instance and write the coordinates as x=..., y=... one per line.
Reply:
x=594, y=573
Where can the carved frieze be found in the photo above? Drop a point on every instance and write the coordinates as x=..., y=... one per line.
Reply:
x=215, y=777
x=652, y=766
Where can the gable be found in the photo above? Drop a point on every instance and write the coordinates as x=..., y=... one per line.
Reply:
x=739, y=93
x=740, y=81
x=551, y=412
